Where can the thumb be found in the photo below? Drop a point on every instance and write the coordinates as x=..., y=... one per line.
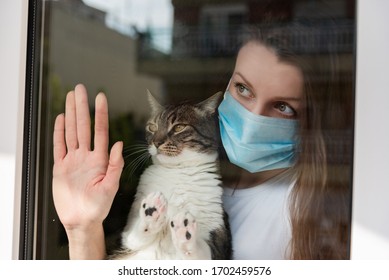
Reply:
x=115, y=167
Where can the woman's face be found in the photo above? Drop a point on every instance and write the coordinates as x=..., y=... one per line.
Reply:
x=265, y=85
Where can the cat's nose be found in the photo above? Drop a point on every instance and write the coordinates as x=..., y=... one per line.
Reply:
x=157, y=143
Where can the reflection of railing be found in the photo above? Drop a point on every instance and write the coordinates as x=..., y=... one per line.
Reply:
x=189, y=41
x=202, y=42
x=335, y=38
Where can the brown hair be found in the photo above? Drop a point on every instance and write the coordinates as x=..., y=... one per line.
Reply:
x=320, y=199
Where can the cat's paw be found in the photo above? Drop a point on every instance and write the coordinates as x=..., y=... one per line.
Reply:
x=153, y=212
x=184, y=229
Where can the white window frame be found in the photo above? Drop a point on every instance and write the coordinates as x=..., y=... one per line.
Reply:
x=370, y=212
x=13, y=31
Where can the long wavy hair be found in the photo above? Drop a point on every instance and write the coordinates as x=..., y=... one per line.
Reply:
x=320, y=201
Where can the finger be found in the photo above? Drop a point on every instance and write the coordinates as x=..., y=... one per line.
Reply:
x=101, y=124
x=70, y=122
x=115, y=167
x=59, y=145
x=82, y=117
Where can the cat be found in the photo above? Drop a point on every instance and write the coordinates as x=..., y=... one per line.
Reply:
x=177, y=212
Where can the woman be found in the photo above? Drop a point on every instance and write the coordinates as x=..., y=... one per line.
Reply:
x=281, y=205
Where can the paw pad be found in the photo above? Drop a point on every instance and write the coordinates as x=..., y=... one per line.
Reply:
x=153, y=211
x=184, y=229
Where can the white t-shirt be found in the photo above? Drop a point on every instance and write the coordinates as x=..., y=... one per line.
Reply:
x=259, y=219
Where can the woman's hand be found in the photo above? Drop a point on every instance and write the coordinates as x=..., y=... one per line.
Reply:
x=85, y=181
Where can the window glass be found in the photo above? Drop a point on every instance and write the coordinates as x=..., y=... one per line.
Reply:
x=186, y=50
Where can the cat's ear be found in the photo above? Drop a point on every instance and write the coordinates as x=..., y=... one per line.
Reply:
x=154, y=104
x=210, y=105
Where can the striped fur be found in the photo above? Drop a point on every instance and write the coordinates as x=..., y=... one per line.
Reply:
x=177, y=212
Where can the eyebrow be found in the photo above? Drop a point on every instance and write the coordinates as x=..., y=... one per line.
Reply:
x=244, y=79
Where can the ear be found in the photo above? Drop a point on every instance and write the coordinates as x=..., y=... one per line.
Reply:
x=154, y=104
x=210, y=105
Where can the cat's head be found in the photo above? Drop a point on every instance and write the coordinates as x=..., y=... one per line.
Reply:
x=174, y=130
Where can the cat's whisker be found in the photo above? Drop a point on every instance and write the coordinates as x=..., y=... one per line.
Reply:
x=131, y=174
x=129, y=156
x=138, y=162
x=140, y=158
x=136, y=145
x=135, y=149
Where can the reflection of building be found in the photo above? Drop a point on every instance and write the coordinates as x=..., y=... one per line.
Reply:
x=206, y=35
x=80, y=48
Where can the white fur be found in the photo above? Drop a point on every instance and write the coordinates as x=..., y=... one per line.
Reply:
x=190, y=184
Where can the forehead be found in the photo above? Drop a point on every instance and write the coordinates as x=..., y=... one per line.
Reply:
x=263, y=69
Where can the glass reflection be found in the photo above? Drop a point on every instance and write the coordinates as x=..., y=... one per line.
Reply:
x=186, y=52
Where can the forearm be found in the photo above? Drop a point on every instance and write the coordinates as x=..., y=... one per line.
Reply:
x=87, y=243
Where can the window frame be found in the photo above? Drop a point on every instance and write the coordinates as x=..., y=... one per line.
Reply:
x=369, y=89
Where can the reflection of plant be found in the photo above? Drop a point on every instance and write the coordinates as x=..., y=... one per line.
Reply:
x=58, y=95
x=124, y=128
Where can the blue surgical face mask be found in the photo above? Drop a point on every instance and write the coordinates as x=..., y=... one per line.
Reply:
x=254, y=142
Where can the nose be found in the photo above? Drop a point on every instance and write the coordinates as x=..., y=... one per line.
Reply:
x=256, y=107
x=158, y=142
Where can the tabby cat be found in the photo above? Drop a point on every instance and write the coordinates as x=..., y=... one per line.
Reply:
x=177, y=212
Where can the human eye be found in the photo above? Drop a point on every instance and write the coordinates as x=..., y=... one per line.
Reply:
x=285, y=109
x=242, y=90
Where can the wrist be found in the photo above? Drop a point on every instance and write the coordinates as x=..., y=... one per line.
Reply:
x=86, y=242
